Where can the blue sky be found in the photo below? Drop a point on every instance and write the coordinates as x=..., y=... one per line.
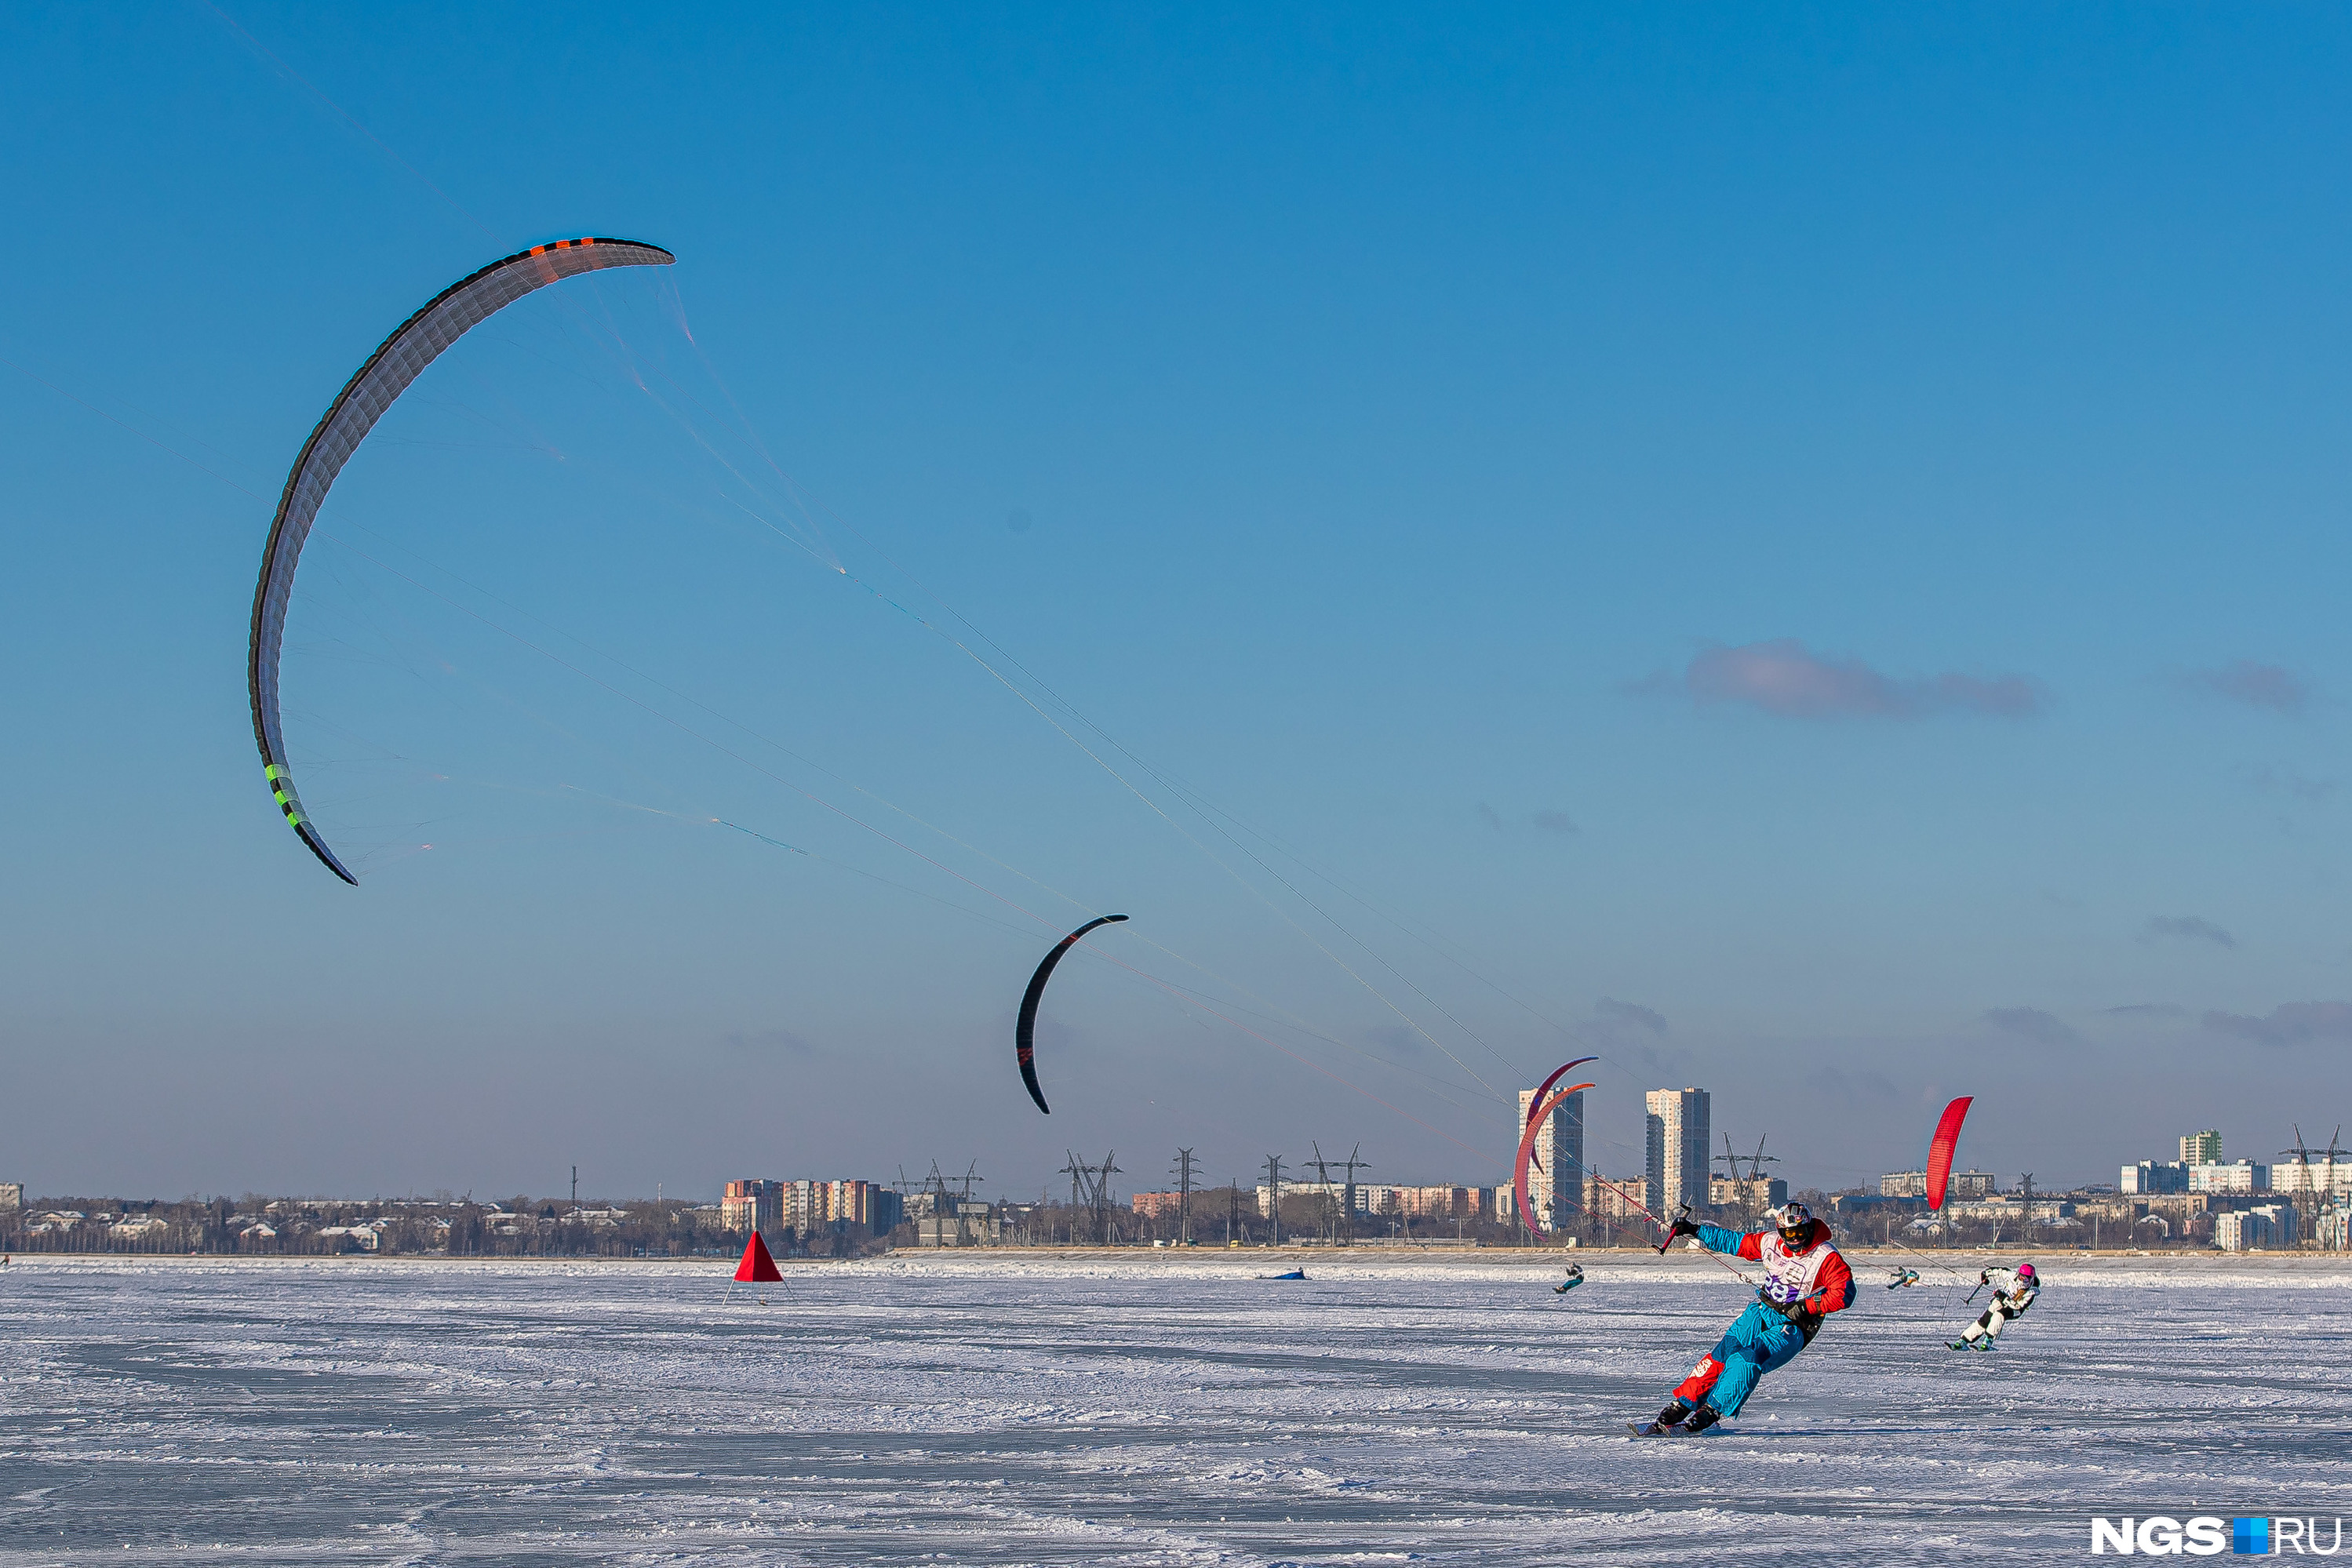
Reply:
x=1802, y=552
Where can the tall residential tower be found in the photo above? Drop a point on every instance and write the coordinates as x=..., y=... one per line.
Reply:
x=1677, y=1147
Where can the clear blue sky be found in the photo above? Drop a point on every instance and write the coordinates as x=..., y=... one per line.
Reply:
x=1806, y=548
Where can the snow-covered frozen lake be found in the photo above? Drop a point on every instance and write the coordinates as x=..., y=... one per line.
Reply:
x=994, y=1410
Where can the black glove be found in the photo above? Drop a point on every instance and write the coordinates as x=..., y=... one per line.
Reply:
x=1681, y=1228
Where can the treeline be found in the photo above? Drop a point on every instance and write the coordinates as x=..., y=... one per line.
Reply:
x=520, y=1227
x=526, y=1227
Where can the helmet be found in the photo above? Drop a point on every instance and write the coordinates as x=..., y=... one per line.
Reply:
x=2025, y=1272
x=1796, y=1223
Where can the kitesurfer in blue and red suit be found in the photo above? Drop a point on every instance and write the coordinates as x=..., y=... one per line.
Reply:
x=1805, y=1279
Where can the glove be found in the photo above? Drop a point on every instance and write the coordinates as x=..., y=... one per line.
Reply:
x=1984, y=1276
x=1679, y=1228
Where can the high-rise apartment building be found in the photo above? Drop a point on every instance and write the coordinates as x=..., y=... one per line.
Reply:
x=753, y=1203
x=2245, y=1176
x=1678, y=1138
x=2202, y=1148
x=2154, y=1176
x=1557, y=1191
x=813, y=1206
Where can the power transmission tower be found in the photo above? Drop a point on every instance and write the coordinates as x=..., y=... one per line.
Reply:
x=1729, y=1161
x=1104, y=1172
x=964, y=1204
x=1077, y=1173
x=1273, y=1187
x=1749, y=1188
x=1323, y=1180
x=1354, y=1164
x=1184, y=1197
x=935, y=1187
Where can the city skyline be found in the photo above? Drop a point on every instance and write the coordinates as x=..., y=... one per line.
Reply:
x=2300, y=1168
x=2237, y=1206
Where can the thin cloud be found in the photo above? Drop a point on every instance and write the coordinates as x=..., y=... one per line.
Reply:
x=2300, y=786
x=770, y=1040
x=2147, y=1011
x=2033, y=1024
x=1847, y=1090
x=1555, y=823
x=2189, y=928
x=1397, y=1039
x=2270, y=687
x=1613, y=1012
x=1786, y=679
x=2289, y=1023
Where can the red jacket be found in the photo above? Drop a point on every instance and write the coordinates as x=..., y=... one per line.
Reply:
x=1815, y=1273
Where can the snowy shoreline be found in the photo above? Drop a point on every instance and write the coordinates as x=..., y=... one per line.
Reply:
x=1337, y=1262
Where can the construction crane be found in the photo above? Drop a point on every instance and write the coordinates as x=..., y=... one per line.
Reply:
x=2331, y=1154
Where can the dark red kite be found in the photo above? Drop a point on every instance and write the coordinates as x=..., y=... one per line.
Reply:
x=1527, y=1148
x=1557, y=1073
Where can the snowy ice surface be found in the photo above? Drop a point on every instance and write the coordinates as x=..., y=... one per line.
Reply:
x=979, y=1409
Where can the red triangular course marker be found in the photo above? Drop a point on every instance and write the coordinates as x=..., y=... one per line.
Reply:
x=757, y=1268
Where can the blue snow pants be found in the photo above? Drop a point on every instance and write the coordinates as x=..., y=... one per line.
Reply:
x=1759, y=1341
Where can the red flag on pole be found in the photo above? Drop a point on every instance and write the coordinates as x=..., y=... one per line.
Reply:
x=757, y=1268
